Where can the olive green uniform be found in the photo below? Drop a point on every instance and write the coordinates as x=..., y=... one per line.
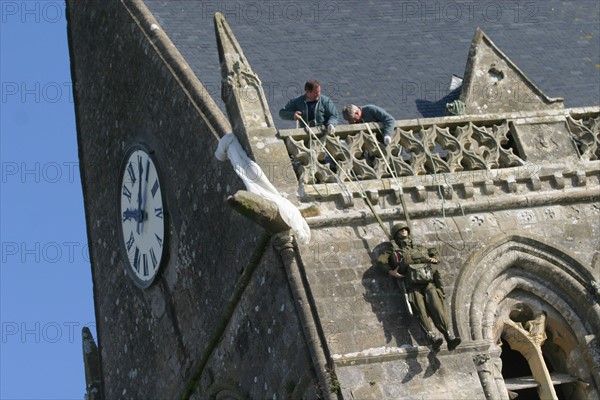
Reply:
x=426, y=299
x=423, y=286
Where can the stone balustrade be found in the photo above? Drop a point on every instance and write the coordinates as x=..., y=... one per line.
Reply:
x=432, y=146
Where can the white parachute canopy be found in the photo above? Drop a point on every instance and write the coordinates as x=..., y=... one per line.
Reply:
x=256, y=182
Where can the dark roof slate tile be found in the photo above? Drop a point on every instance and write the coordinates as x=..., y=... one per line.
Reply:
x=397, y=54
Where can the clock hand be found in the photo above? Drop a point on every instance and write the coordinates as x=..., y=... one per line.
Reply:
x=144, y=192
x=141, y=171
x=131, y=214
x=142, y=197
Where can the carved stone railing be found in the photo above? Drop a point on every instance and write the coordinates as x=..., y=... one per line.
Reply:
x=585, y=132
x=428, y=146
x=417, y=151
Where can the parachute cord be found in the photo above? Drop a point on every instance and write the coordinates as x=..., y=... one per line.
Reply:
x=400, y=189
x=455, y=244
x=357, y=184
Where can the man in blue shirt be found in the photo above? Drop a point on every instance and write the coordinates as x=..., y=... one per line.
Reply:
x=315, y=109
x=370, y=113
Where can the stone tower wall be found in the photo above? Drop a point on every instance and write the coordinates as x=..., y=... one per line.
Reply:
x=133, y=87
x=375, y=343
x=233, y=316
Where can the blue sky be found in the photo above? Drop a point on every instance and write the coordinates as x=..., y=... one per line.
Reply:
x=45, y=279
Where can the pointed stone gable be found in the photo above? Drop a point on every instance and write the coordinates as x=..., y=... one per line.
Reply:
x=494, y=84
x=248, y=110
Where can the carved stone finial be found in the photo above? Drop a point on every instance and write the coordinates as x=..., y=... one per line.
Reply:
x=91, y=361
x=242, y=91
x=249, y=112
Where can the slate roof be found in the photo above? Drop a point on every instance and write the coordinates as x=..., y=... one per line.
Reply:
x=399, y=55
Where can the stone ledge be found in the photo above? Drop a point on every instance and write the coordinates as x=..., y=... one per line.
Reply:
x=383, y=354
x=468, y=185
x=527, y=116
x=437, y=208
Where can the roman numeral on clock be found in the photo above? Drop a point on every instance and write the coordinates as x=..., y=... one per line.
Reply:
x=155, y=188
x=130, y=242
x=145, y=262
x=127, y=193
x=131, y=172
x=136, y=260
x=153, y=258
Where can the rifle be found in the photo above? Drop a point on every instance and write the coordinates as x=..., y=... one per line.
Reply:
x=396, y=251
x=405, y=295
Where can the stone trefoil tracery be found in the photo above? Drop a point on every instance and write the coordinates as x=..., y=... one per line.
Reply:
x=444, y=147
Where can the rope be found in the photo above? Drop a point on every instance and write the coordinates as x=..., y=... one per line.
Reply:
x=357, y=184
x=366, y=199
x=453, y=242
x=402, y=200
x=310, y=137
x=363, y=194
x=311, y=134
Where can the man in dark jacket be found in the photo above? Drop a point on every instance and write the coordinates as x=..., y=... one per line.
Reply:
x=412, y=263
x=371, y=113
x=313, y=107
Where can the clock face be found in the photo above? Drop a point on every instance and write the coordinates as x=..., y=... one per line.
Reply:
x=142, y=216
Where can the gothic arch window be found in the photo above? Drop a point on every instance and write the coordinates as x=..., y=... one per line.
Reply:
x=535, y=349
x=524, y=293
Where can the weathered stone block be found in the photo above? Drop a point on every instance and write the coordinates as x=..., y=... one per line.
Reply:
x=544, y=141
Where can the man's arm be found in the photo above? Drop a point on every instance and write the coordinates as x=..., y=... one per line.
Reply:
x=395, y=264
x=380, y=115
x=394, y=273
x=331, y=113
x=289, y=110
x=433, y=255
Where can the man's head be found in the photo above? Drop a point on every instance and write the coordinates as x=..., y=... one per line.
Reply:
x=352, y=113
x=400, y=232
x=312, y=90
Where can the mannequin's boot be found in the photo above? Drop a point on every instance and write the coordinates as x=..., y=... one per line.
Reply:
x=453, y=341
x=435, y=342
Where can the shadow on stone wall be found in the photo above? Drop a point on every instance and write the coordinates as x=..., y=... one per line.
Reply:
x=430, y=109
x=400, y=328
